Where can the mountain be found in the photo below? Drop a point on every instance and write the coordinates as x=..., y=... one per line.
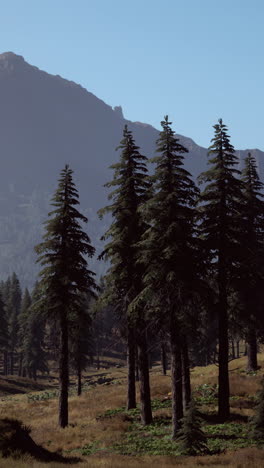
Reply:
x=46, y=122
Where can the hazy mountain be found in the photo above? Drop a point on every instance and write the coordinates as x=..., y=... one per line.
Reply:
x=45, y=122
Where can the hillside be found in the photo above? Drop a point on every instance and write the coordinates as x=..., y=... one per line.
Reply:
x=103, y=434
x=47, y=121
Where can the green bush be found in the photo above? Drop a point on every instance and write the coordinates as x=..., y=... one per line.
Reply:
x=192, y=440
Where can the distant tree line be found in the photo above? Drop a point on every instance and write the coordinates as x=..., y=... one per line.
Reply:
x=185, y=278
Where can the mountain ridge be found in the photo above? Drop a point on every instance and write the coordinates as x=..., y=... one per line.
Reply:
x=47, y=121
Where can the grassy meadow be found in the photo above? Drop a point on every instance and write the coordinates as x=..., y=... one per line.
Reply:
x=102, y=433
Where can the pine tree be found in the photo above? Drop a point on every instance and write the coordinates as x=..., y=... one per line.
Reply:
x=3, y=328
x=251, y=272
x=33, y=352
x=13, y=307
x=5, y=288
x=23, y=325
x=124, y=276
x=81, y=341
x=104, y=321
x=192, y=440
x=167, y=248
x=257, y=421
x=65, y=275
x=220, y=229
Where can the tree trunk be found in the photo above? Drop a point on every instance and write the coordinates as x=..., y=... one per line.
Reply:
x=149, y=360
x=20, y=368
x=131, y=379
x=98, y=356
x=11, y=362
x=163, y=358
x=238, y=350
x=145, y=399
x=214, y=357
x=5, y=363
x=63, y=372
x=176, y=377
x=252, y=363
x=233, y=349
x=79, y=380
x=245, y=350
x=137, y=370
x=223, y=378
x=186, y=382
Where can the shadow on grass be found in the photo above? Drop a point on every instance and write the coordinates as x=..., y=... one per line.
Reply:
x=12, y=386
x=15, y=440
x=213, y=418
x=6, y=390
x=224, y=436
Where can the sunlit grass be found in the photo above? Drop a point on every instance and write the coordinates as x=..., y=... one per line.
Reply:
x=88, y=429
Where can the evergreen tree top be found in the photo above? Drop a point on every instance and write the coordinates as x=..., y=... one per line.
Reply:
x=223, y=159
x=170, y=178
x=253, y=187
x=223, y=185
x=167, y=248
x=221, y=204
x=131, y=189
x=129, y=177
x=252, y=214
x=65, y=245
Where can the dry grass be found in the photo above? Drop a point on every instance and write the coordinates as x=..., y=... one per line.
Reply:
x=85, y=427
x=14, y=385
x=246, y=458
x=242, y=385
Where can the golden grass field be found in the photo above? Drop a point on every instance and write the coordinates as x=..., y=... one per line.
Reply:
x=85, y=429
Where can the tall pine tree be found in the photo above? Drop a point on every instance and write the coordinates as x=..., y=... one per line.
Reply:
x=125, y=274
x=220, y=227
x=168, y=248
x=65, y=274
x=252, y=272
x=33, y=328
x=81, y=341
x=3, y=329
x=13, y=308
x=23, y=328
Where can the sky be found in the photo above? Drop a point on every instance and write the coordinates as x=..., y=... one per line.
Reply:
x=195, y=60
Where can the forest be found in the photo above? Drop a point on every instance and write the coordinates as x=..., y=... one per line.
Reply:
x=183, y=294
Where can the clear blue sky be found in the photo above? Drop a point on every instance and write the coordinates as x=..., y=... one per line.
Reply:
x=195, y=60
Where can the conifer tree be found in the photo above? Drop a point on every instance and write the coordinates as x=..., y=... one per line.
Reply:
x=13, y=307
x=3, y=329
x=252, y=271
x=124, y=276
x=65, y=275
x=5, y=288
x=257, y=421
x=220, y=229
x=23, y=327
x=33, y=352
x=81, y=342
x=167, y=248
x=192, y=440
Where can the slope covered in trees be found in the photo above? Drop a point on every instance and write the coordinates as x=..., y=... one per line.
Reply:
x=45, y=122
x=185, y=276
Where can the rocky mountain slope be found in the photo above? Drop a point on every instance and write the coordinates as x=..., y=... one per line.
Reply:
x=45, y=122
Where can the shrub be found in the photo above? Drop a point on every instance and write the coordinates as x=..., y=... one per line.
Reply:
x=191, y=438
x=257, y=421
